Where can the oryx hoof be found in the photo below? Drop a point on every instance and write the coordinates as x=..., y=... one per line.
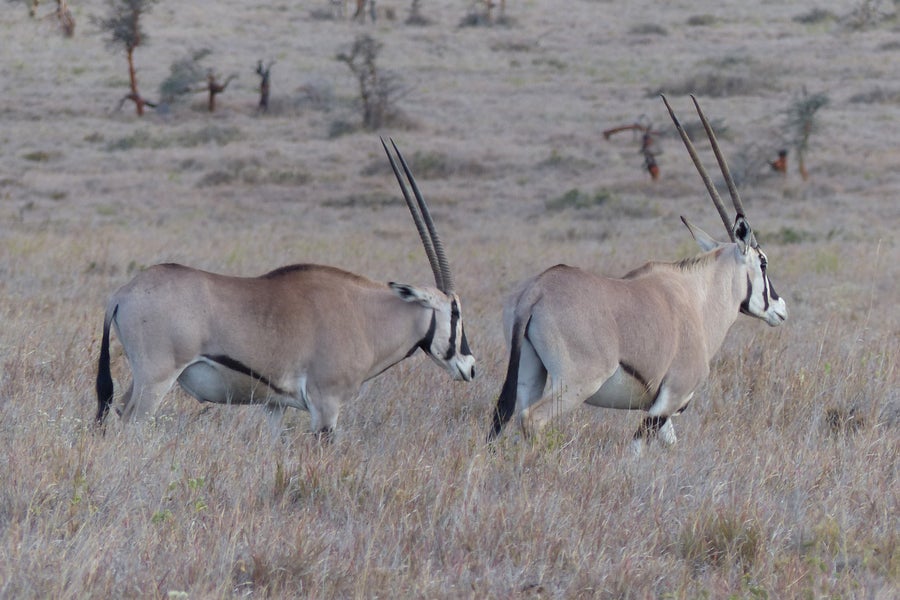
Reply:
x=666, y=435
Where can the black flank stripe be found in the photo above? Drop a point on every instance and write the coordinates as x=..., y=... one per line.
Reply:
x=236, y=365
x=634, y=373
x=426, y=342
x=745, y=305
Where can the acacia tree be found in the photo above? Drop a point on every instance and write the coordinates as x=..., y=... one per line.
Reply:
x=123, y=23
x=802, y=123
x=378, y=89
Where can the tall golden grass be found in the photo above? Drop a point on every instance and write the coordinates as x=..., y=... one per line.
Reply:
x=784, y=481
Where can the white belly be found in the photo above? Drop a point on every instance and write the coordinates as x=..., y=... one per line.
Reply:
x=210, y=381
x=622, y=391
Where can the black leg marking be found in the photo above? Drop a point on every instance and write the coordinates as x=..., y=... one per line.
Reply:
x=650, y=426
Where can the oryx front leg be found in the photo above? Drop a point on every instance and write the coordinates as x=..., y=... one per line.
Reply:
x=658, y=423
x=324, y=408
x=274, y=417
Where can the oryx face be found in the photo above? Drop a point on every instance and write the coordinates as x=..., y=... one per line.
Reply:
x=762, y=301
x=446, y=341
x=449, y=346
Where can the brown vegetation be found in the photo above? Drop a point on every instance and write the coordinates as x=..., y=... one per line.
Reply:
x=784, y=481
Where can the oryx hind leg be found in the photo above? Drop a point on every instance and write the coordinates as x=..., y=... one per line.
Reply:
x=532, y=377
x=559, y=401
x=145, y=396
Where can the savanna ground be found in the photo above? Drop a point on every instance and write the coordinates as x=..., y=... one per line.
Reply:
x=784, y=482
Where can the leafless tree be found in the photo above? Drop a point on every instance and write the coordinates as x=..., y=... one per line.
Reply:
x=62, y=14
x=649, y=146
x=377, y=89
x=265, y=82
x=801, y=124
x=123, y=23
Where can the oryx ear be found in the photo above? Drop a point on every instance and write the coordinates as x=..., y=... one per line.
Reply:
x=702, y=238
x=411, y=293
x=743, y=235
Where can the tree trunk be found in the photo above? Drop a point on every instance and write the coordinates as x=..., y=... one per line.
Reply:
x=138, y=101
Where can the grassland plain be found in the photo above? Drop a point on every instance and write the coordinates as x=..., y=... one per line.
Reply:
x=784, y=483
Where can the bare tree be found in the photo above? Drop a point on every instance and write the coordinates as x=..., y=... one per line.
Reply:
x=214, y=88
x=62, y=14
x=123, y=23
x=264, y=73
x=801, y=124
x=65, y=18
x=377, y=89
x=415, y=14
x=481, y=12
x=649, y=145
x=31, y=4
x=184, y=74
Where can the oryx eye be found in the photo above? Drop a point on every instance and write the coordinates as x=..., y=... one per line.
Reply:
x=763, y=263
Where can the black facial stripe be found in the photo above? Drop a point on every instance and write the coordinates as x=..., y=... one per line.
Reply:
x=745, y=305
x=454, y=319
x=426, y=342
x=464, y=344
x=772, y=290
x=236, y=365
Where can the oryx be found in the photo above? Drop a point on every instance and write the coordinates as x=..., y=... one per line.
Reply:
x=642, y=342
x=304, y=335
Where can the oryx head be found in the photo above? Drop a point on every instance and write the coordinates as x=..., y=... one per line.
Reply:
x=761, y=300
x=446, y=341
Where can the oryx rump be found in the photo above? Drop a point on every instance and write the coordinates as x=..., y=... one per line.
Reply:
x=304, y=335
x=643, y=341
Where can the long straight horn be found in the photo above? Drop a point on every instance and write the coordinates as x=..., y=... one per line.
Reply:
x=713, y=193
x=732, y=188
x=424, y=223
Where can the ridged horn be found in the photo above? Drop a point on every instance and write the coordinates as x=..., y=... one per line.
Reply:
x=732, y=188
x=424, y=223
x=710, y=187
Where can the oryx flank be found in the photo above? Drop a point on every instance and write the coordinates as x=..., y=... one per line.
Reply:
x=642, y=342
x=304, y=335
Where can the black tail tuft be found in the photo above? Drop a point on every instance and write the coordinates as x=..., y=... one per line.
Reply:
x=506, y=403
x=104, y=377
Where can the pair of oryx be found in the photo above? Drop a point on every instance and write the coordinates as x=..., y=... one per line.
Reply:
x=308, y=336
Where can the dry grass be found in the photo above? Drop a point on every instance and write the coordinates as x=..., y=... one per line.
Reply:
x=784, y=480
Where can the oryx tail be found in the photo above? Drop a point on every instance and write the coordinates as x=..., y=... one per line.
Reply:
x=104, y=377
x=506, y=403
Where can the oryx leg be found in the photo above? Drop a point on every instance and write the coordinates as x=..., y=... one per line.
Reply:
x=274, y=417
x=145, y=395
x=324, y=407
x=532, y=377
x=561, y=399
x=658, y=423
